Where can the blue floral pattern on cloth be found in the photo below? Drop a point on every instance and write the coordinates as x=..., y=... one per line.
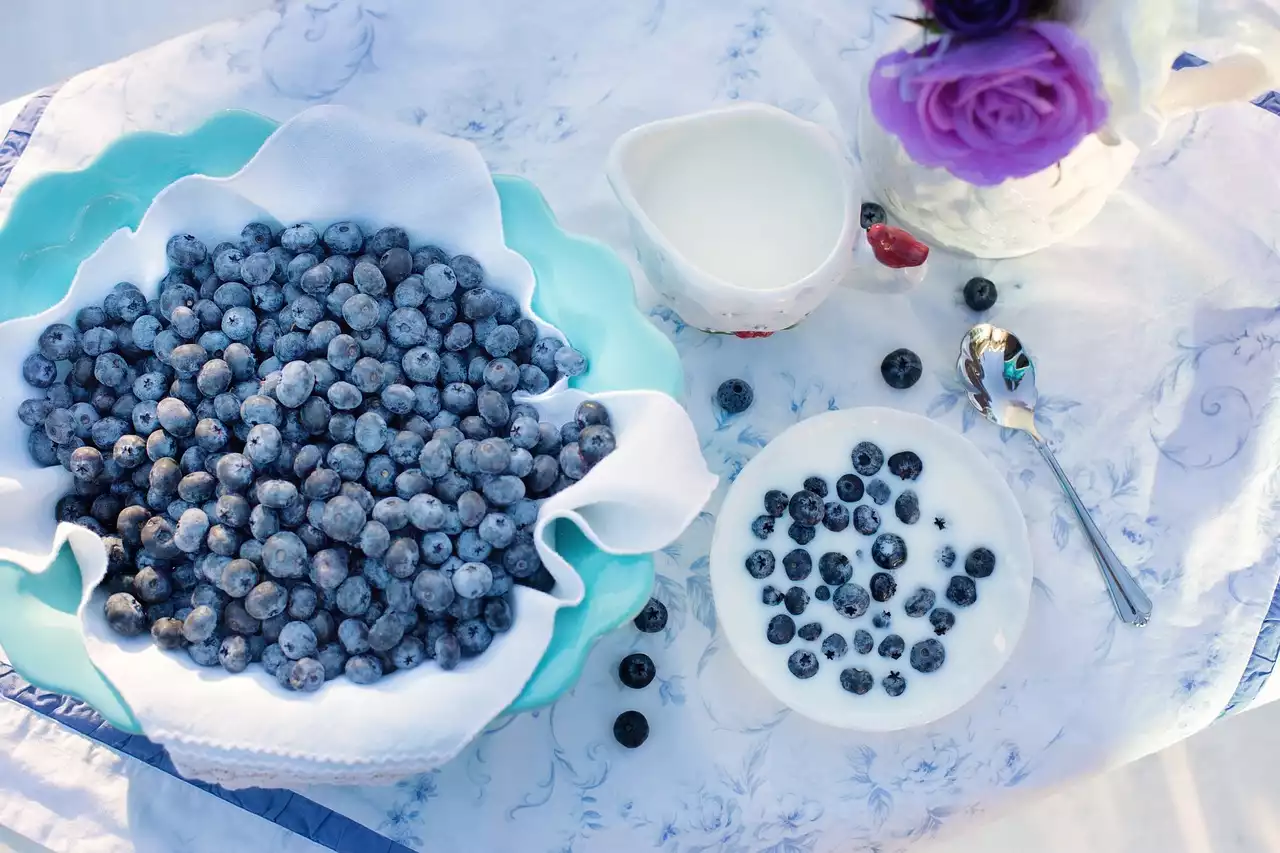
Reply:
x=1155, y=340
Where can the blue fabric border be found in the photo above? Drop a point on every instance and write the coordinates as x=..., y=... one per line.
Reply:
x=291, y=811
x=15, y=141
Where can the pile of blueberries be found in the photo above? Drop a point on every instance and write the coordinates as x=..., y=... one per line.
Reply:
x=307, y=452
x=809, y=508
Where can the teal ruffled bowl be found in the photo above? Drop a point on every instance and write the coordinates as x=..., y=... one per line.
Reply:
x=582, y=288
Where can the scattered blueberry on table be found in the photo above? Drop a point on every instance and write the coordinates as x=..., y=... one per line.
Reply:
x=901, y=369
x=980, y=294
x=307, y=451
x=871, y=214
x=652, y=618
x=631, y=729
x=735, y=396
x=636, y=671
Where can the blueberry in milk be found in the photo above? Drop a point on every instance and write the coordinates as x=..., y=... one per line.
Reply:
x=806, y=508
x=928, y=655
x=771, y=596
x=834, y=568
x=760, y=564
x=942, y=620
x=866, y=520
x=781, y=630
x=863, y=642
x=894, y=684
x=849, y=488
x=801, y=534
x=980, y=563
x=906, y=465
x=962, y=591
x=889, y=551
x=796, y=600
x=775, y=502
x=850, y=600
x=817, y=485
x=907, y=507
x=810, y=632
x=857, y=681
x=836, y=518
x=763, y=527
x=867, y=458
x=822, y=593
x=883, y=586
x=946, y=556
x=834, y=647
x=919, y=602
x=797, y=564
x=882, y=620
x=803, y=663
x=892, y=647
x=878, y=491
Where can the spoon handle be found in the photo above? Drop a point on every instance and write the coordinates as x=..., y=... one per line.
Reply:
x=1130, y=601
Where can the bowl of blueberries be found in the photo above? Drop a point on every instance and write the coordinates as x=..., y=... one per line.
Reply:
x=871, y=569
x=309, y=441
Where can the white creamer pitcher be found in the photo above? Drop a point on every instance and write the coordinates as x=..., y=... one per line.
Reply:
x=1136, y=42
x=744, y=218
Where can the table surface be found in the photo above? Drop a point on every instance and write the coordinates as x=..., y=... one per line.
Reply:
x=1154, y=332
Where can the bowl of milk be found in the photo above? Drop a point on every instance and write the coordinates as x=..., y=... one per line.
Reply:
x=852, y=652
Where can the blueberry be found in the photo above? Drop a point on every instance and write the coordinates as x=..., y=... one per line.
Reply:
x=762, y=527
x=942, y=620
x=822, y=593
x=803, y=663
x=856, y=681
x=796, y=600
x=86, y=464
x=946, y=556
x=866, y=520
x=33, y=412
x=636, y=671
x=631, y=729
x=882, y=620
x=889, y=551
x=775, y=502
x=835, y=517
x=834, y=568
x=124, y=615
x=878, y=491
x=867, y=458
x=360, y=312
x=905, y=465
x=596, y=442
x=448, y=651
x=735, y=396
x=850, y=600
x=907, y=507
x=883, y=586
x=894, y=684
x=497, y=615
x=771, y=596
x=363, y=669
x=834, y=647
x=928, y=655
x=962, y=591
x=472, y=580
x=863, y=642
x=39, y=371
x=797, y=564
x=90, y=317
x=980, y=294
x=569, y=362
x=901, y=369
x=979, y=564
x=59, y=342
x=781, y=630
x=810, y=632
x=166, y=632
x=920, y=602
x=801, y=534
x=651, y=619
x=871, y=214
x=503, y=340
x=892, y=647
x=200, y=624
x=299, y=238
x=806, y=508
x=205, y=653
x=98, y=340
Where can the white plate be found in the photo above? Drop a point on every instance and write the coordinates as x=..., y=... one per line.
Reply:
x=957, y=485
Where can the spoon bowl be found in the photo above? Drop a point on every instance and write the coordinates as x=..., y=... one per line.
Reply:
x=1000, y=380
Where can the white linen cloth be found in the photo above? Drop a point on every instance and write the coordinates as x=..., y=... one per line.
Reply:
x=1154, y=332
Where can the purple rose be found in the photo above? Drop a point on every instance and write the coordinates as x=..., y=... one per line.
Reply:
x=988, y=110
x=975, y=18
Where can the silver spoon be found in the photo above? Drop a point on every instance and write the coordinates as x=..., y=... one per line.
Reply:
x=1001, y=381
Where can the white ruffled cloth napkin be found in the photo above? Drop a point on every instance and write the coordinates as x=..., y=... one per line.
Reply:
x=244, y=730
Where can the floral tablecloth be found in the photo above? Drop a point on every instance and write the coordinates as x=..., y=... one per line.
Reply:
x=1155, y=332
